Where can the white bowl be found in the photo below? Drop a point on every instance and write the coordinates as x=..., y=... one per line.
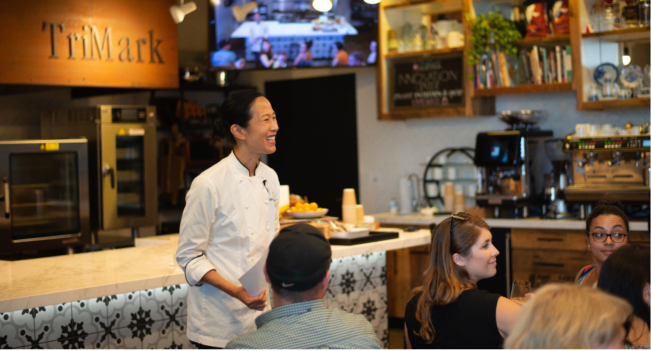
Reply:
x=351, y=234
x=308, y=215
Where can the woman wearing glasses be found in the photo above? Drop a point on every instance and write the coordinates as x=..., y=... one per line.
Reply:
x=448, y=311
x=607, y=231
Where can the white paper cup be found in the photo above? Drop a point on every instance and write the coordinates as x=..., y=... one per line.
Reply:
x=437, y=173
x=452, y=173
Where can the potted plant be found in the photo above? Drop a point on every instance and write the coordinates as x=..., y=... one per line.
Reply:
x=490, y=33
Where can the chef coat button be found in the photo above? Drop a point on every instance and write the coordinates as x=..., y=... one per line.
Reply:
x=267, y=227
x=246, y=206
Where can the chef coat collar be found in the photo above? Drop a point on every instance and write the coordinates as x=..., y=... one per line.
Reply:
x=242, y=168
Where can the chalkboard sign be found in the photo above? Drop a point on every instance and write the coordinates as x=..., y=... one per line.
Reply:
x=426, y=83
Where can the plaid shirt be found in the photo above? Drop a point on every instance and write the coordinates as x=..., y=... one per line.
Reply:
x=308, y=325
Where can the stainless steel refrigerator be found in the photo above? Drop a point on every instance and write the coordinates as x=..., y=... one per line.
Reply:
x=122, y=166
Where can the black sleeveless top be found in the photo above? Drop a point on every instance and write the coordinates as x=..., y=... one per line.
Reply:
x=468, y=323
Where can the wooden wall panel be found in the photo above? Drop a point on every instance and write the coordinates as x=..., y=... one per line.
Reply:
x=27, y=47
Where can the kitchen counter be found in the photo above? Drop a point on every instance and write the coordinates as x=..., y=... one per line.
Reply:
x=277, y=29
x=526, y=223
x=52, y=280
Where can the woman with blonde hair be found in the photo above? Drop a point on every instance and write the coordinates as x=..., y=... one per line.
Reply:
x=448, y=311
x=566, y=316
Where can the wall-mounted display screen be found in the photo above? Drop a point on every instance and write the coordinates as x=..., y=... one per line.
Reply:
x=292, y=33
x=493, y=150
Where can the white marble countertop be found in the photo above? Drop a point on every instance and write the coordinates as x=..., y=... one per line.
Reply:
x=47, y=281
x=526, y=223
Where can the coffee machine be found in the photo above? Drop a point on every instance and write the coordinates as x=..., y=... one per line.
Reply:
x=609, y=166
x=508, y=164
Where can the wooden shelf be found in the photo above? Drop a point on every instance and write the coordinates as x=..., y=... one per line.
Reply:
x=625, y=103
x=436, y=111
x=630, y=34
x=523, y=89
x=443, y=4
x=433, y=52
x=565, y=38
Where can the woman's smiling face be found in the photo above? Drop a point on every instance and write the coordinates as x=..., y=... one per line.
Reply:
x=260, y=135
x=481, y=263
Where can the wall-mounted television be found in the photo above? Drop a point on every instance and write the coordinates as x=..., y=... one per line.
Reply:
x=292, y=33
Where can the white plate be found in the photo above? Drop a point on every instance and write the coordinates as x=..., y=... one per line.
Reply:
x=308, y=215
x=352, y=234
x=631, y=75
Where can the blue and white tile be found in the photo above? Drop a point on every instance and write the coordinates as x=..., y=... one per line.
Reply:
x=62, y=316
x=180, y=299
x=130, y=310
x=9, y=336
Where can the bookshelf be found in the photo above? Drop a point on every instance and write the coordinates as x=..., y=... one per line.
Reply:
x=392, y=15
x=593, y=49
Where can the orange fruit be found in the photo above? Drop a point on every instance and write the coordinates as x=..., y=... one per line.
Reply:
x=314, y=206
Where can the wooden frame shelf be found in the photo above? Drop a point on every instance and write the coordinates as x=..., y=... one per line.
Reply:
x=423, y=4
x=629, y=34
x=564, y=38
x=609, y=104
x=433, y=52
x=523, y=89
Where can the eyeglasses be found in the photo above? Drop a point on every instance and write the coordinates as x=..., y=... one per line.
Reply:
x=615, y=237
x=461, y=216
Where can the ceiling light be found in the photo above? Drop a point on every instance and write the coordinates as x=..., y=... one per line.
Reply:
x=322, y=5
x=372, y=2
x=626, y=58
x=179, y=12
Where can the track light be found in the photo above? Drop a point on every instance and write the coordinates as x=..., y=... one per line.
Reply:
x=322, y=5
x=179, y=12
x=372, y=2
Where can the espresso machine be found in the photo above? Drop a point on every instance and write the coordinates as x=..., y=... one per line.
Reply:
x=508, y=164
x=609, y=166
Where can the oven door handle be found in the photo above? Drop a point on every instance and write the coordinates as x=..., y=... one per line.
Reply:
x=109, y=171
x=6, y=196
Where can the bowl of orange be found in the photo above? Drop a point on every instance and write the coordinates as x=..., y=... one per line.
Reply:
x=304, y=210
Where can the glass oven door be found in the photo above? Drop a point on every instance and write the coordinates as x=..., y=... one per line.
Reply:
x=129, y=196
x=44, y=195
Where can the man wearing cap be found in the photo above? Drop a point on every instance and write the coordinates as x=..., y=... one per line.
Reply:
x=224, y=57
x=298, y=269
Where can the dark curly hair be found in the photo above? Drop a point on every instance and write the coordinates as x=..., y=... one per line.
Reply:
x=606, y=207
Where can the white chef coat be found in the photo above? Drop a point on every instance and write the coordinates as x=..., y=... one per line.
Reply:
x=257, y=30
x=228, y=223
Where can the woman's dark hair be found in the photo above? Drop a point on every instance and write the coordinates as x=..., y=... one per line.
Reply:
x=443, y=281
x=624, y=274
x=606, y=207
x=269, y=51
x=235, y=110
x=339, y=45
x=308, y=44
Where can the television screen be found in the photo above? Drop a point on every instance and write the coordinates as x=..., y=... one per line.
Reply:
x=292, y=33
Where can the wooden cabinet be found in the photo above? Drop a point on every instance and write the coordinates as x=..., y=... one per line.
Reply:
x=393, y=15
x=587, y=50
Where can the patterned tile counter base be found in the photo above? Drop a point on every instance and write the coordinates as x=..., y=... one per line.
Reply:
x=156, y=318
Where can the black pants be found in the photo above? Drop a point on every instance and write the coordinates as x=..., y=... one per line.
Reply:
x=204, y=347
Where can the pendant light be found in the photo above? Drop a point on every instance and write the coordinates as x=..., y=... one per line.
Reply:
x=372, y=2
x=179, y=11
x=626, y=58
x=322, y=5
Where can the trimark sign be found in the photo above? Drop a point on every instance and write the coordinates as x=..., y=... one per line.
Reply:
x=107, y=43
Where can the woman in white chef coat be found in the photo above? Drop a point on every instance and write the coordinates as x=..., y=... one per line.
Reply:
x=229, y=220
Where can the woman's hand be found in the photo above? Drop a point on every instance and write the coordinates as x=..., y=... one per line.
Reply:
x=254, y=303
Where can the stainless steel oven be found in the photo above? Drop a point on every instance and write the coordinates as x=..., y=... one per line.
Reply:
x=123, y=171
x=45, y=194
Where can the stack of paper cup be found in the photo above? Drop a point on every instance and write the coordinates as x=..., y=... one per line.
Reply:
x=360, y=213
x=448, y=197
x=349, y=206
x=459, y=202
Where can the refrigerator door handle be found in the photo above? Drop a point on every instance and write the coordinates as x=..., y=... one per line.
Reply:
x=6, y=197
x=109, y=171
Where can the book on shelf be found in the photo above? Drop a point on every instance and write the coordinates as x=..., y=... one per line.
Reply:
x=545, y=65
x=559, y=65
x=526, y=64
x=568, y=63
